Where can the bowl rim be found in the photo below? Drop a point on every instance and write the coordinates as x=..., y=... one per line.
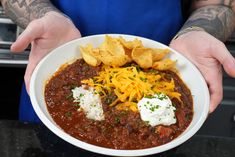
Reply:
x=107, y=151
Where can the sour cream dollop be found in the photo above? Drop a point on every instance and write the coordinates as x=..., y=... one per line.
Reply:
x=157, y=109
x=89, y=101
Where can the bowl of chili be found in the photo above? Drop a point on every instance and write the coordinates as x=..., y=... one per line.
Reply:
x=120, y=141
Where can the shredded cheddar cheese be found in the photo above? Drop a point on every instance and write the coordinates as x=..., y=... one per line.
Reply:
x=130, y=85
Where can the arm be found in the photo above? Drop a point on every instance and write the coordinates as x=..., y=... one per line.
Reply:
x=213, y=16
x=201, y=41
x=22, y=12
x=45, y=28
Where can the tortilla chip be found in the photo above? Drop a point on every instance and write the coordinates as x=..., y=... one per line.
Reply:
x=166, y=64
x=142, y=57
x=87, y=54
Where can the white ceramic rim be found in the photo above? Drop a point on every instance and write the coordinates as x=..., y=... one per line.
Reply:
x=112, y=152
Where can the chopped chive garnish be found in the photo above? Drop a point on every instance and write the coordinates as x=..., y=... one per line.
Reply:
x=131, y=78
x=117, y=120
x=70, y=95
x=76, y=105
x=149, y=96
x=143, y=79
x=68, y=114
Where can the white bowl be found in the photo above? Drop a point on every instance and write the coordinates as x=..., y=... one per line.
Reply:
x=69, y=52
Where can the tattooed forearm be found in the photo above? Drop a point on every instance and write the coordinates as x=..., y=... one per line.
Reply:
x=202, y=3
x=24, y=11
x=217, y=20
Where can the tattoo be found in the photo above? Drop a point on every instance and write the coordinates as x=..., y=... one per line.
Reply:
x=217, y=20
x=24, y=11
x=228, y=3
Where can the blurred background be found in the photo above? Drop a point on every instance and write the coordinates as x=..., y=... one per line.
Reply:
x=12, y=66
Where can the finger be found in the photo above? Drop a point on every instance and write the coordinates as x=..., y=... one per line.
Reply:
x=33, y=61
x=27, y=77
x=33, y=31
x=229, y=66
x=216, y=93
x=214, y=81
x=29, y=70
x=222, y=54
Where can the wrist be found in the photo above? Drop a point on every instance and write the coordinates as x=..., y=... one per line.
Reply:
x=188, y=29
x=216, y=20
x=59, y=15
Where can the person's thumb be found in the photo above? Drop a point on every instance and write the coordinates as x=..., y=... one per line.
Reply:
x=225, y=58
x=33, y=31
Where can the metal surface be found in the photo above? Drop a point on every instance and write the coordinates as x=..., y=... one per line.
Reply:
x=8, y=34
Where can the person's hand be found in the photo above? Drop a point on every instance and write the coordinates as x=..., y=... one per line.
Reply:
x=208, y=54
x=44, y=34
